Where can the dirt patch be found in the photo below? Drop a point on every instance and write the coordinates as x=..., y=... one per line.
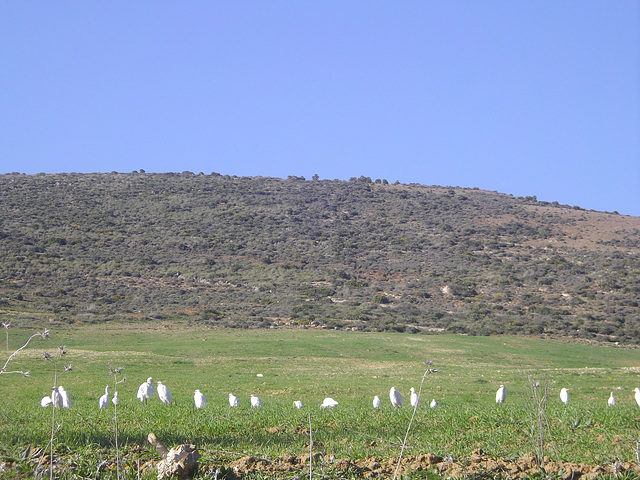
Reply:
x=478, y=464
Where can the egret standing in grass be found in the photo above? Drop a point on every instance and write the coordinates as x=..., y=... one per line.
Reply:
x=564, y=396
x=329, y=403
x=103, y=402
x=145, y=390
x=612, y=400
x=415, y=400
x=433, y=403
x=298, y=404
x=255, y=402
x=395, y=397
x=376, y=402
x=233, y=401
x=637, y=390
x=65, y=397
x=198, y=399
x=115, y=400
x=501, y=394
x=164, y=394
x=46, y=401
x=56, y=398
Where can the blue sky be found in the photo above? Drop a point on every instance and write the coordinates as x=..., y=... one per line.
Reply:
x=529, y=98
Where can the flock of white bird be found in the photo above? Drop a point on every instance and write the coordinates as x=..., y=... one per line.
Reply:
x=60, y=397
x=501, y=396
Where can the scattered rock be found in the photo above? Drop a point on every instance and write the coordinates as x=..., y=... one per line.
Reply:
x=181, y=462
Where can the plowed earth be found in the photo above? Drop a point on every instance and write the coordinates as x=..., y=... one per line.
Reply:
x=477, y=465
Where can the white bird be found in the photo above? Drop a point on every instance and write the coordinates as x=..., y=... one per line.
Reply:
x=65, y=397
x=115, y=400
x=376, y=402
x=637, y=390
x=298, y=404
x=255, y=402
x=46, y=402
x=501, y=394
x=199, y=399
x=164, y=394
x=433, y=403
x=564, y=396
x=233, y=400
x=395, y=397
x=328, y=403
x=612, y=400
x=415, y=400
x=56, y=398
x=145, y=390
x=103, y=402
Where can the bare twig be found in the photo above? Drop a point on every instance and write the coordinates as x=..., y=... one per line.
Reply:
x=310, y=450
x=101, y=465
x=39, y=467
x=62, y=350
x=537, y=395
x=415, y=409
x=24, y=374
x=44, y=334
x=116, y=382
x=6, y=326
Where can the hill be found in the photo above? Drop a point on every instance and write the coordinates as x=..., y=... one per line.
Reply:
x=270, y=252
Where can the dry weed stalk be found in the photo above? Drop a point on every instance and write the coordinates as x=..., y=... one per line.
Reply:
x=55, y=404
x=310, y=450
x=116, y=382
x=536, y=401
x=428, y=371
x=6, y=326
x=44, y=334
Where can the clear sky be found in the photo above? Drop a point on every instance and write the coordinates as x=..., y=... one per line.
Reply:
x=523, y=97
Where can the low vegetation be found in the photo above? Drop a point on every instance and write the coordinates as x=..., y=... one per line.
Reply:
x=308, y=365
x=367, y=255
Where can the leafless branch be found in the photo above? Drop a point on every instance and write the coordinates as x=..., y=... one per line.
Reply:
x=415, y=409
x=44, y=334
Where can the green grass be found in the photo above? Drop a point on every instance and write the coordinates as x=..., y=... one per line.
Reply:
x=309, y=365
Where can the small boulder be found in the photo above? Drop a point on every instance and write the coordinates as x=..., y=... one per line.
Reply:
x=180, y=462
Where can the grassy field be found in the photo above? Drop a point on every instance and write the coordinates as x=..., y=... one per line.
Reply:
x=309, y=365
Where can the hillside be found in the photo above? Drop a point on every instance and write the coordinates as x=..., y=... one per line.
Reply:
x=268, y=252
